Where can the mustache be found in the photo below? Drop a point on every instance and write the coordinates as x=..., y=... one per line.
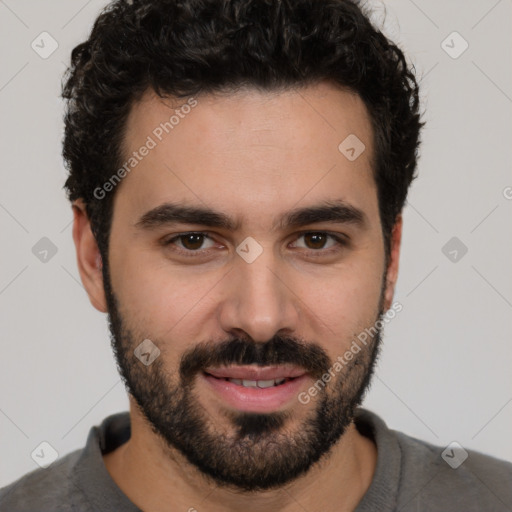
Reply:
x=279, y=350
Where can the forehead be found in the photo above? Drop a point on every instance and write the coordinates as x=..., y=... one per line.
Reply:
x=250, y=151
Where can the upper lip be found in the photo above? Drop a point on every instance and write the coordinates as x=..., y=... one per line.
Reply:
x=251, y=372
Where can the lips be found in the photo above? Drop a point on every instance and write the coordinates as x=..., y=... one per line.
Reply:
x=255, y=373
x=255, y=389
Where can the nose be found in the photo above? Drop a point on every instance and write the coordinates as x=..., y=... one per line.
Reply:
x=259, y=301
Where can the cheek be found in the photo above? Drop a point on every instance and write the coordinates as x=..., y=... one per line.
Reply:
x=346, y=302
x=166, y=302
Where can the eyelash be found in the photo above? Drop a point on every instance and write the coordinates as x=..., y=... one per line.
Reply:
x=341, y=242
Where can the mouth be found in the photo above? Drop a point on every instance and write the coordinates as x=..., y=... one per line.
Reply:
x=262, y=384
x=256, y=389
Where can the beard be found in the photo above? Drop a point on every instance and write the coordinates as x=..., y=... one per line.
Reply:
x=260, y=451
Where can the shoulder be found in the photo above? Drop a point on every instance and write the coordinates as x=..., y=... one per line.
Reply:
x=452, y=477
x=42, y=490
x=78, y=481
x=412, y=474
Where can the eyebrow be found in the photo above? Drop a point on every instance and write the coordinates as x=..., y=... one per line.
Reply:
x=337, y=211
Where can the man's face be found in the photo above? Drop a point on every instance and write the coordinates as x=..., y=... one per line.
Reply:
x=279, y=298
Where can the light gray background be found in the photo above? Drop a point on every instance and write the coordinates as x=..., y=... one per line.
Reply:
x=445, y=372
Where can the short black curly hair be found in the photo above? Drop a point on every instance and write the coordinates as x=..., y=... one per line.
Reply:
x=188, y=47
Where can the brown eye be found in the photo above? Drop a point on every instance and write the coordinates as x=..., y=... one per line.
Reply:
x=320, y=243
x=315, y=240
x=197, y=247
x=192, y=241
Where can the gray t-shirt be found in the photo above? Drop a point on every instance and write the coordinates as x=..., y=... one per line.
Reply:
x=411, y=476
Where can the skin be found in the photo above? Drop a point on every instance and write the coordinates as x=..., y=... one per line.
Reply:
x=253, y=156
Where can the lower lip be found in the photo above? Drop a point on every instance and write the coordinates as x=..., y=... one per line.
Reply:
x=255, y=399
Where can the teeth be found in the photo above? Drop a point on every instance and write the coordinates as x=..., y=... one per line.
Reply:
x=257, y=383
x=266, y=383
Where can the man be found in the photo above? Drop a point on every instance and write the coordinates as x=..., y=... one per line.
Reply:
x=237, y=172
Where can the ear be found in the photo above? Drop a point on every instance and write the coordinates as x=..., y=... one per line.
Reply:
x=394, y=257
x=88, y=257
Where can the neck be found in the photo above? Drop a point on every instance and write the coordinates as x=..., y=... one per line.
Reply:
x=152, y=476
